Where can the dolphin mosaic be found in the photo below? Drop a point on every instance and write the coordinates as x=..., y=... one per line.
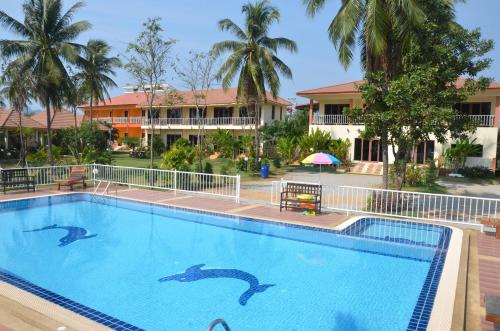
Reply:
x=74, y=233
x=195, y=273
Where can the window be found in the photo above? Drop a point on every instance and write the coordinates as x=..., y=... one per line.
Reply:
x=143, y=113
x=143, y=135
x=125, y=135
x=174, y=113
x=193, y=112
x=281, y=113
x=243, y=112
x=424, y=152
x=110, y=114
x=223, y=112
x=331, y=109
x=367, y=150
x=193, y=139
x=477, y=151
x=126, y=113
x=477, y=108
x=171, y=139
x=273, y=112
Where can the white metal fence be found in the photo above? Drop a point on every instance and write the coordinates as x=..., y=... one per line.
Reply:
x=403, y=204
x=199, y=183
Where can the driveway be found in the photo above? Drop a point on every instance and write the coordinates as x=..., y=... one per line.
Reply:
x=491, y=191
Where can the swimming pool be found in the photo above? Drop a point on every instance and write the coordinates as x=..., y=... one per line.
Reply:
x=132, y=265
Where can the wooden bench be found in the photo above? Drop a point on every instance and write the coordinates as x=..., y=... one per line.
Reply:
x=290, y=196
x=492, y=304
x=76, y=176
x=494, y=223
x=16, y=179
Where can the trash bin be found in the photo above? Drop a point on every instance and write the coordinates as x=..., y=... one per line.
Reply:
x=264, y=171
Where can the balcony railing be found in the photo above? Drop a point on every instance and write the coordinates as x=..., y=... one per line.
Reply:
x=121, y=120
x=334, y=120
x=480, y=120
x=214, y=121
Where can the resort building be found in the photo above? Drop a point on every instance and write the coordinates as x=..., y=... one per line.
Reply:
x=128, y=114
x=326, y=113
x=10, y=122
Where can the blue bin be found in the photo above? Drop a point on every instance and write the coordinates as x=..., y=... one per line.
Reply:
x=264, y=171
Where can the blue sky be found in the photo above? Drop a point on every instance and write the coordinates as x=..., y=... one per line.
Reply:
x=193, y=23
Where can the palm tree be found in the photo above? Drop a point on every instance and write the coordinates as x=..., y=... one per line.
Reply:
x=97, y=68
x=17, y=89
x=383, y=29
x=46, y=47
x=253, y=57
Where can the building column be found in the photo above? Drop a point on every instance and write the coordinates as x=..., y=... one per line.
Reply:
x=311, y=110
x=494, y=165
x=497, y=113
x=6, y=139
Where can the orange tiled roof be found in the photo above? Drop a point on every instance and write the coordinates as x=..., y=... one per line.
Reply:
x=10, y=119
x=214, y=97
x=62, y=119
x=350, y=87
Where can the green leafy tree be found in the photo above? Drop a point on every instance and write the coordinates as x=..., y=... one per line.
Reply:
x=47, y=46
x=97, y=67
x=223, y=142
x=457, y=155
x=418, y=104
x=384, y=29
x=149, y=64
x=253, y=57
x=340, y=149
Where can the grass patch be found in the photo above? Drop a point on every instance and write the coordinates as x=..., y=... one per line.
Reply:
x=436, y=188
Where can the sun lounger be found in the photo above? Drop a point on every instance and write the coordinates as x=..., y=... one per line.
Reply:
x=77, y=175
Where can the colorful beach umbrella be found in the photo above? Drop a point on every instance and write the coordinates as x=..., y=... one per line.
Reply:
x=321, y=158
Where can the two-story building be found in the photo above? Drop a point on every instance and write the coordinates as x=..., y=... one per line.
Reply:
x=128, y=114
x=326, y=113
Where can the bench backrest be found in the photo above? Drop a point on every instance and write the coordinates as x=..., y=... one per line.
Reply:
x=77, y=172
x=300, y=188
x=9, y=175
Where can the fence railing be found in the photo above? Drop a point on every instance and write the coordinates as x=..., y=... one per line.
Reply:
x=403, y=204
x=480, y=120
x=212, y=121
x=200, y=183
x=182, y=181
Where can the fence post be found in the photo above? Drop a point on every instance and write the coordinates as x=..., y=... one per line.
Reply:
x=238, y=188
x=93, y=173
x=175, y=181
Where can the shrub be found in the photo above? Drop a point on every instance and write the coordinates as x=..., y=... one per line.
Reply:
x=265, y=162
x=241, y=164
x=277, y=162
x=414, y=176
x=131, y=142
x=208, y=169
x=476, y=172
x=430, y=174
x=224, y=170
x=178, y=157
x=158, y=145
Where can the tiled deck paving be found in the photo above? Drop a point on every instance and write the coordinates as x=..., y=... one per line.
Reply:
x=488, y=249
x=489, y=271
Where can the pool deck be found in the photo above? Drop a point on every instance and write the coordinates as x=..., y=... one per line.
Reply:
x=479, y=268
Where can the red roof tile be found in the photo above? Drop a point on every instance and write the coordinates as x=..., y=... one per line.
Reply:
x=63, y=119
x=350, y=87
x=10, y=119
x=214, y=97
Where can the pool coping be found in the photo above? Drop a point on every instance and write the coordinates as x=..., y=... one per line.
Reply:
x=442, y=308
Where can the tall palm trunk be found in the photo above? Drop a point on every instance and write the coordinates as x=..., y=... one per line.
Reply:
x=256, y=110
x=22, y=149
x=151, y=151
x=200, y=166
x=49, y=132
x=91, y=105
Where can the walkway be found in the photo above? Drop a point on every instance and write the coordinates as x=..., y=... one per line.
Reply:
x=489, y=272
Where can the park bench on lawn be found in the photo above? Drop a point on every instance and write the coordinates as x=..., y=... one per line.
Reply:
x=16, y=179
x=301, y=195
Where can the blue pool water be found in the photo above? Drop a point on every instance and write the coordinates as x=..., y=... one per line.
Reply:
x=139, y=266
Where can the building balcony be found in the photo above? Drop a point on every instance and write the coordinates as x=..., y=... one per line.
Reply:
x=122, y=120
x=334, y=120
x=480, y=120
x=194, y=123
